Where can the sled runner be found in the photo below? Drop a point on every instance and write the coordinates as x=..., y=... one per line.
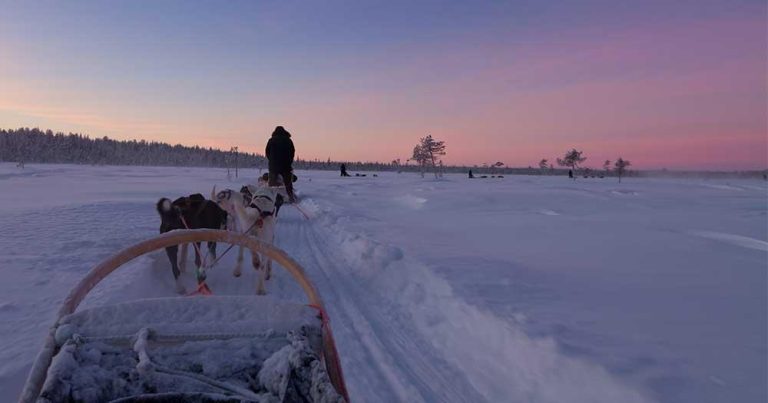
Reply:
x=191, y=349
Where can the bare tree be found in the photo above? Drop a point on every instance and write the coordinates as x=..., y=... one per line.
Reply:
x=621, y=167
x=543, y=165
x=572, y=159
x=607, y=166
x=495, y=166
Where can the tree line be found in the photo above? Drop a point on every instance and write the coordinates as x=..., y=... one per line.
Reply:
x=27, y=145
x=38, y=146
x=33, y=145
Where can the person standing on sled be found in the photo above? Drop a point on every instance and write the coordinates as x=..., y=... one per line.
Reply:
x=280, y=154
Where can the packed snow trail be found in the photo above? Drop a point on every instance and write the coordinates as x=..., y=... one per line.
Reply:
x=380, y=355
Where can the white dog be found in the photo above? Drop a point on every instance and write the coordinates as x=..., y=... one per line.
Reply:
x=255, y=212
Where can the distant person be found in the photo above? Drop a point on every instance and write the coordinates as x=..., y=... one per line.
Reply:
x=344, y=170
x=280, y=153
x=470, y=175
x=570, y=173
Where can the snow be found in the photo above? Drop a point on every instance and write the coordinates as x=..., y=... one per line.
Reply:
x=192, y=345
x=535, y=289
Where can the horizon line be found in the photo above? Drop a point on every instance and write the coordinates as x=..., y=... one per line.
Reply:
x=462, y=165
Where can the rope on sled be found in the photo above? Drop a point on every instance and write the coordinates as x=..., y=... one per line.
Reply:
x=174, y=338
x=146, y=366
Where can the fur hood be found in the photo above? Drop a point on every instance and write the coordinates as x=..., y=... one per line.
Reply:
x=280, y=131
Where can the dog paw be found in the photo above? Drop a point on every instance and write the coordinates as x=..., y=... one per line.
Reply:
x=180, y=289
x=200, y=274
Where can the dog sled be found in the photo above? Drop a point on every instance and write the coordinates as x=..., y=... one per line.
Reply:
x=190, y=349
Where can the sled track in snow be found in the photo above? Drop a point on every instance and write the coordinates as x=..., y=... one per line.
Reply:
x=383, y=353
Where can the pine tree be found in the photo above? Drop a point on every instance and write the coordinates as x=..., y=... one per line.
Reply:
x=621, y=167
x=427, y=152
x=572, y=159
x=543, y=165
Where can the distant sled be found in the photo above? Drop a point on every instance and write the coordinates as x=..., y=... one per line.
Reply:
x=190, y=349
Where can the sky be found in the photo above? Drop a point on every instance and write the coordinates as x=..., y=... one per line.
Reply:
x=664, y=84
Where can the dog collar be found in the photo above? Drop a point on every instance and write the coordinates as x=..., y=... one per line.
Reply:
x=262, y=213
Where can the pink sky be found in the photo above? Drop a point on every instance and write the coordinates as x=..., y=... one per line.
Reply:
x=685, y=94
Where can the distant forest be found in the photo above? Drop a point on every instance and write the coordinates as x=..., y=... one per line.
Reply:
x=37, y=146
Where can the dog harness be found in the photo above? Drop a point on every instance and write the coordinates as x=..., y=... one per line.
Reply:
x=262, y=213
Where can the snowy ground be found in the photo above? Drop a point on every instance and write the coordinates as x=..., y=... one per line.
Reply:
x=525, y=289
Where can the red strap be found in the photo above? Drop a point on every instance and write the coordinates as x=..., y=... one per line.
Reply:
x=202, y=289
x=321, y=312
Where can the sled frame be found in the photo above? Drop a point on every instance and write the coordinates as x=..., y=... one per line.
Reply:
x=38, y=373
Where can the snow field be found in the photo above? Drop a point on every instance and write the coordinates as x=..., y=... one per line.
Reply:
x=534, y=289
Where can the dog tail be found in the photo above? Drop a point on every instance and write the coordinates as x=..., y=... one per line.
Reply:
x=164, y=206
x=213, y=193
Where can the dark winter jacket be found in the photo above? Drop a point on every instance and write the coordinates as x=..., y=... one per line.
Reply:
x=280, y=150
